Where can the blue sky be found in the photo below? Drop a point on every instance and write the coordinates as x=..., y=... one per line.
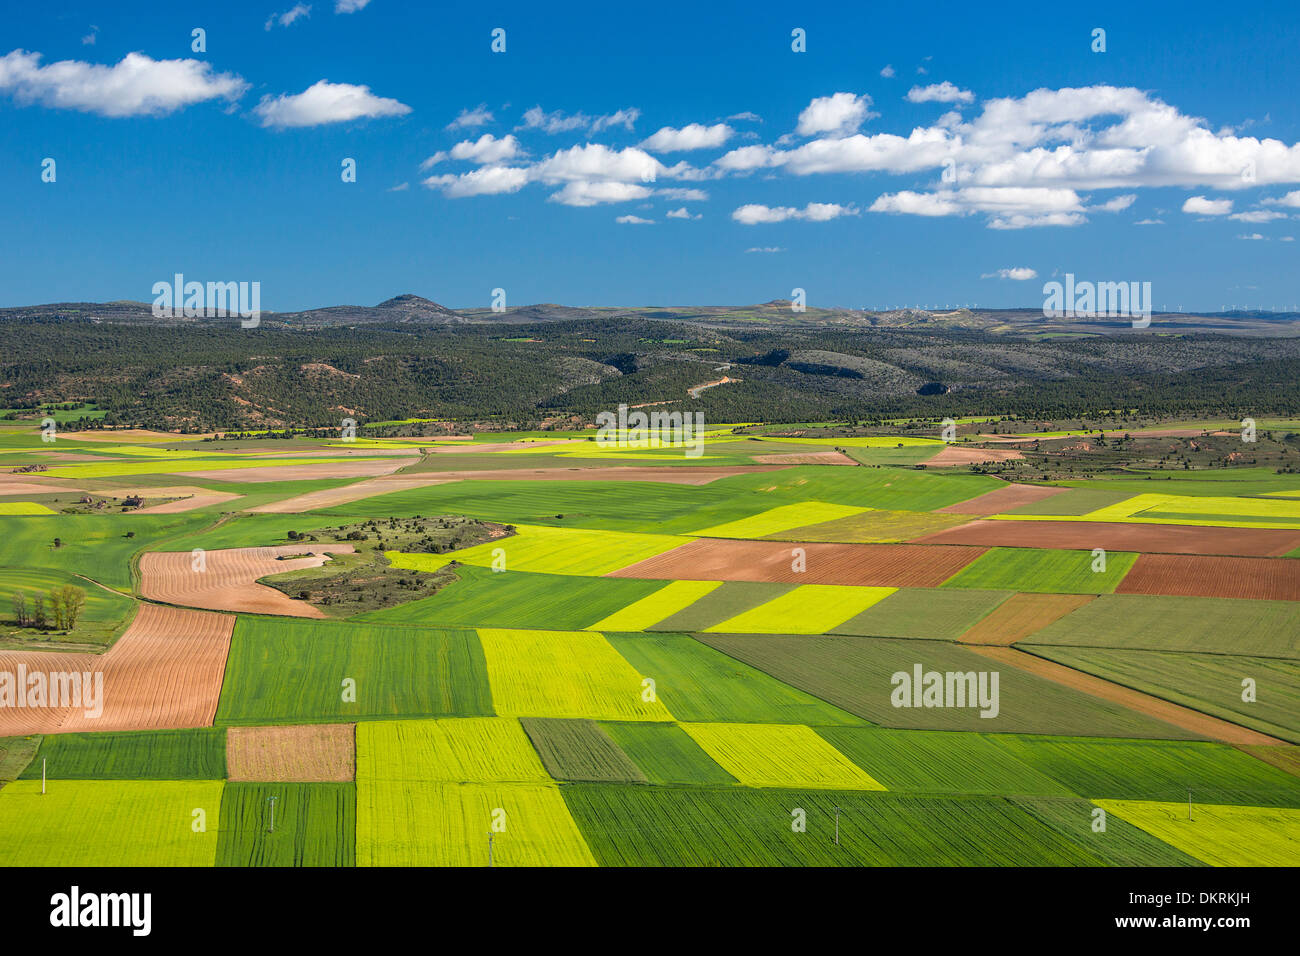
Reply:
x=1171, y=157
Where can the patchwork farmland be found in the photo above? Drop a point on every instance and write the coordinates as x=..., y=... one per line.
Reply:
x=648, y=659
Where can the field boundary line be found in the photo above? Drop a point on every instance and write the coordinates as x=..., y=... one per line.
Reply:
x=1178, y=715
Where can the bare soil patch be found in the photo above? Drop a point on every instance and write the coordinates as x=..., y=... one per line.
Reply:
x=1022, y=615
x=330, y=497
x=1271, y=579
x=317, y=753
x=811, y=458
x=877, y=565
x=952, y=456
x=1121, y=536
x=228, y=581
x=165, y=672
x=1002, y=499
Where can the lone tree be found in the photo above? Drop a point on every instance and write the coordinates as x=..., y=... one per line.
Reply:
x=20, y=608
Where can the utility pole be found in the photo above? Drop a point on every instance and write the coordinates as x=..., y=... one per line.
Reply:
x=271, y=801
x=837, y=826
x=489, y=848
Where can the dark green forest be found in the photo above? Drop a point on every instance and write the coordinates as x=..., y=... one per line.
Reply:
x=203, y=376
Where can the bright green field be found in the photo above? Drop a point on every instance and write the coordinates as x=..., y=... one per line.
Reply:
x=698, y=683
x=104, y=617
x=198, y=754
x=927, y=761
x=315, y=825
x=86, y=823
x=519, y=599
x=292, y=671
x=1042, y=571
x=655, y=826
x=667, y=755
x=1145, y=770
x=94, y=545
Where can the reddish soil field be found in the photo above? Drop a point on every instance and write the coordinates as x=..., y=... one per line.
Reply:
x=811, y=458
x=1184, y=717
x=1002, y=499
x=880, y=565
x=1273, y=579
x=1121, y=536
x=952, y=456
x=164, y=672
x=1021, y=615
x=309, y=754
x=229, y=580
x=28, y=484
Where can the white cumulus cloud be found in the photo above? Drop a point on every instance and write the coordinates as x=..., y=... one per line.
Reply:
x=691, y=136
x=135, y=86
x=325, y=102
x=754, y=213
x=1200, y=206
x=944, y=92
x=839, y=114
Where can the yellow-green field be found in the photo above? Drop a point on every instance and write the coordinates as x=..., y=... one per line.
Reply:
x=87, y=823
x=808, y=609
x=779, y=755
x=650, y=610
x=24, y=508
x=1218, y=835
x=417, y=823
x=553, y=551
x=564, y=674
x=450, y=750
x=779, y=519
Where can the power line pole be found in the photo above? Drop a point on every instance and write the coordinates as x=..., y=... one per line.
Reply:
x=489, y=848
x=271, y=801
x=837, y=826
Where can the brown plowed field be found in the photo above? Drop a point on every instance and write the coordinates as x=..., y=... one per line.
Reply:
x=1021, y=615
x=198, y=499
x=880, y=565
x=1271, y=579
x=811, y=458
x=671, y=474
x=337, y=469
x=229, y=581
x=317, y=753
x=330, y=497
x=27, y=484
x=952, y=456
x=1121, y=536
x=1184, y=717
x=483, y=446
x=164, y=672
x=1002, y=499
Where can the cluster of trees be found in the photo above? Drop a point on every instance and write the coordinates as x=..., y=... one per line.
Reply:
x=57, y=610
